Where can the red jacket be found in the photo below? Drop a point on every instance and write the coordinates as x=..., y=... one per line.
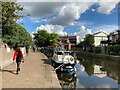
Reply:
x=15, y=55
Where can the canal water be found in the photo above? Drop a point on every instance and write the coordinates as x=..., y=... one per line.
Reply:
x=92, y=73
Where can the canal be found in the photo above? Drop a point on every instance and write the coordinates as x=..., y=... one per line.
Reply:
x=92, y=73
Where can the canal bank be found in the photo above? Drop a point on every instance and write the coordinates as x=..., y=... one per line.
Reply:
x=36, y=72
x=97, y=56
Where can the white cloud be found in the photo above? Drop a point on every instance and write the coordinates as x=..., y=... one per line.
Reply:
x=83, y=31
x=53, y=29
x=38, y=10
x=70, y=12
x=20, y=20
x=37, y=21
x=84, y=23
x=38, y=0
x=93, y=10
x=65, y=12
x=32, y=34
x=107, y=7
x=106, y=28
x=104, y=86
x=63, y=0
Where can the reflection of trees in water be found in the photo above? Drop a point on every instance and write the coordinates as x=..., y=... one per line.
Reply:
x=67, y=80
x=88, y=65
x=119, y=73
x=112, y=67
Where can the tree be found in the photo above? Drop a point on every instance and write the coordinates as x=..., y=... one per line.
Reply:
x=23, y=36
x=53, y=38
x=12, y=33
x=88, y=42
x=9, y=17
x=42, y=38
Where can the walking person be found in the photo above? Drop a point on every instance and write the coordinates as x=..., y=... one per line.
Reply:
x=18, y=56
x=27, y=50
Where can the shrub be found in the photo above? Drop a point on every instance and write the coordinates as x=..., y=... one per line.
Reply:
x=114, y=50
x=97, y=49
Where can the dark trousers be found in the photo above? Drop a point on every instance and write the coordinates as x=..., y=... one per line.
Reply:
x=18, y=66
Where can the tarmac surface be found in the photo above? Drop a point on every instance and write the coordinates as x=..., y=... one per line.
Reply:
x=36, y=72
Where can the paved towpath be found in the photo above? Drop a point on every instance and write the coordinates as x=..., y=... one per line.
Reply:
x=36, y=72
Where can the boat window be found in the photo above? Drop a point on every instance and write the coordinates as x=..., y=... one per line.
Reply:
x=59, y=53
x=71, y=53
x=66, y=53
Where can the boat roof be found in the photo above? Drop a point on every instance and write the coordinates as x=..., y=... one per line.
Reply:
x=64, y=51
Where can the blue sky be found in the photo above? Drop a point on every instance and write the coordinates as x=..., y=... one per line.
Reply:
x=70, y=18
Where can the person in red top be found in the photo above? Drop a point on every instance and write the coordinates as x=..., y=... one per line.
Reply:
x=18, y=56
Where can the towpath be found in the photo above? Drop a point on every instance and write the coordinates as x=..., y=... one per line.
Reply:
x=36, y=72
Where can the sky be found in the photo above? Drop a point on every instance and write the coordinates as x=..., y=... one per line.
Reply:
x=78, y=17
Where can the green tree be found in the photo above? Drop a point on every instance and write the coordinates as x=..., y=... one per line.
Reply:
x=88, y=42
x=23, y=36
x=42, y=38
x=12, y=32
x=89, y=66
x=9, y=17
x=53, y=38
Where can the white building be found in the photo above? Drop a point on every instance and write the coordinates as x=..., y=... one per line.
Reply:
x=98, y=37
x=77, y=40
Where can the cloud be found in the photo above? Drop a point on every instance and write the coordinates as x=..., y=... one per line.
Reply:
x=84, y=23
x=104, y=86
x=105, y=28
x=107, y=7
x=63, y=0
x=93, y=10
x=64, y=13
x=38, y=0
x=21, y=20
x=39, y=20
x=70, y=12
x=53, y=29
x=38, y=10
x=83, y=31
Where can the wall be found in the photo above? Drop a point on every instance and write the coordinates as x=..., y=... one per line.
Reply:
x=99, y=56
x=7, y=55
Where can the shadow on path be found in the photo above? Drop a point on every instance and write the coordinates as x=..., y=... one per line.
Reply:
x=10, y=71
x=46, y=61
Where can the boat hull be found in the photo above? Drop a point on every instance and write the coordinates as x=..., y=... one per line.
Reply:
x=64, y=66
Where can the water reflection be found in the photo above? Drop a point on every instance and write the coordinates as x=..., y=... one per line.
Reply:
x=98, y=74
x=93, y=74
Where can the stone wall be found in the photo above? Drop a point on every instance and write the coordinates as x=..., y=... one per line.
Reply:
x=81, y=54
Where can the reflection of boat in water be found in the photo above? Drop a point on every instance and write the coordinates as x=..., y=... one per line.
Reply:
x=67, y=80
x=63, y=60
